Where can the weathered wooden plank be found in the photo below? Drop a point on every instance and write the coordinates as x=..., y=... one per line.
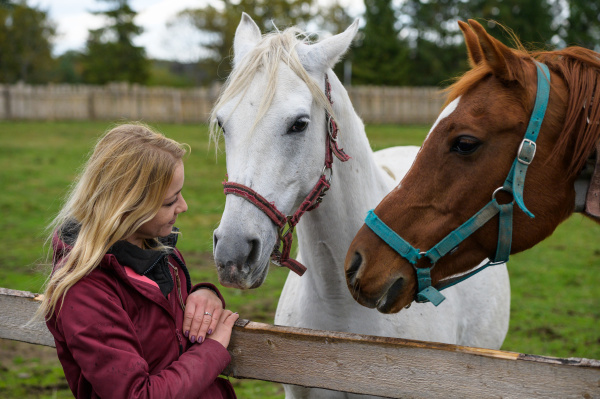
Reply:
x=399, y=368
x=16, y=310
x=389, y=367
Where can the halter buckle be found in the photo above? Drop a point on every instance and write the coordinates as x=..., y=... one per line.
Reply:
x=525, y=154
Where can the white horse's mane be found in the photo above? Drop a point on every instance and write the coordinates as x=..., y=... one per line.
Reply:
x=274, y=48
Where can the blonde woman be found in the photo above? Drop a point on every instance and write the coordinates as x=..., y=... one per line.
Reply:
x=126, y=321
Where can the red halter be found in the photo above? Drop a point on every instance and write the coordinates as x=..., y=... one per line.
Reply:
x=312, y=201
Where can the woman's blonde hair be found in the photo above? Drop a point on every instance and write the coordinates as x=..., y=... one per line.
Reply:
x=121, y=187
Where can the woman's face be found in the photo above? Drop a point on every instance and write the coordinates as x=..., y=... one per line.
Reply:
x=173, y=204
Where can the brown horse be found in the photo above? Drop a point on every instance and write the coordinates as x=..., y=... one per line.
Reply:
x=468, y=155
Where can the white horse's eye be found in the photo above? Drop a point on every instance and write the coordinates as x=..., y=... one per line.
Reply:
x=299, y=126
x=221, y=126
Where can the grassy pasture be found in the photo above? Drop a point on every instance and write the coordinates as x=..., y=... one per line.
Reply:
x=555, y=297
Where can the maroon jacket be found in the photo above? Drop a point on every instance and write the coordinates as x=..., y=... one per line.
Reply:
x=118, y=336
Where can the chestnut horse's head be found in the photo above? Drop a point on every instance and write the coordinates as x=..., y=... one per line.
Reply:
x=468, y=155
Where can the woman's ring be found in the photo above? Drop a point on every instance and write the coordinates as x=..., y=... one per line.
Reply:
x=207, y=313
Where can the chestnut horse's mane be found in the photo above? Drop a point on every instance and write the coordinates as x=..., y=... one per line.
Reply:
x=580, y=70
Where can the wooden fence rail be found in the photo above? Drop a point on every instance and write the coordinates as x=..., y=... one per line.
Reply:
x=388, y=367
x=407, y=105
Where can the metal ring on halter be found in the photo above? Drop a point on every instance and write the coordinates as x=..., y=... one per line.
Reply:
x=330, y=128
x=502, y=188
x=276, y=263
x=423, y=254
x=330, y=173
x=207, y=313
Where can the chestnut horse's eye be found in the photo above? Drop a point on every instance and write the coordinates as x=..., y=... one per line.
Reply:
x=299, y=125
x=465, y=145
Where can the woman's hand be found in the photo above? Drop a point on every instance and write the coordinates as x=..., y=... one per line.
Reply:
x=203, y=309
x=222, y=333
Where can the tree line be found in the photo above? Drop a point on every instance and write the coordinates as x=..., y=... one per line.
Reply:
x=413, y=42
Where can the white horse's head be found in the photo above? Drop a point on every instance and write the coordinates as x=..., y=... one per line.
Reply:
x=272, y=113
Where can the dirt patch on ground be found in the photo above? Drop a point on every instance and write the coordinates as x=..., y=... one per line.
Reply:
x=11, y=350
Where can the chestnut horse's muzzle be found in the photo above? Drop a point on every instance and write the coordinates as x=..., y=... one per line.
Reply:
x=514, y=185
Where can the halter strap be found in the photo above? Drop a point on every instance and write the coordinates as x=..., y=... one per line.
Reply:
x=312, y=200
x=332, y=133
x=513, y=184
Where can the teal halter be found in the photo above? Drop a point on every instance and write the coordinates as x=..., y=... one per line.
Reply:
x=513, y=185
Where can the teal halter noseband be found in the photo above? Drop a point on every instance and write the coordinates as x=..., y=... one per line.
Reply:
x=513, y=185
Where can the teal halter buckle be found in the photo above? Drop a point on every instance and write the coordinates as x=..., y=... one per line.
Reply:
x=514, y=185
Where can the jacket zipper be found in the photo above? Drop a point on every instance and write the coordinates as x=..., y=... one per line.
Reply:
x=180, y=297
x=178, y=284
x=178, y=333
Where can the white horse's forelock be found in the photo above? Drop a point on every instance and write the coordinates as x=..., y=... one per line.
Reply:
x=275, y=47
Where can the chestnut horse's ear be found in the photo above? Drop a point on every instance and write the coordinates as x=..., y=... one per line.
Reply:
x=472, y=43
x=505, y=63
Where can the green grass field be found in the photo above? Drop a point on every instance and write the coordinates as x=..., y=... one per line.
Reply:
x=555, y=297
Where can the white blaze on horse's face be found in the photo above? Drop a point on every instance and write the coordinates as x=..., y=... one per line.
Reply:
x=446, y=112
x=280, y=156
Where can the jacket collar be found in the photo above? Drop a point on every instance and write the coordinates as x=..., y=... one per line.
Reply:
x=152, y=263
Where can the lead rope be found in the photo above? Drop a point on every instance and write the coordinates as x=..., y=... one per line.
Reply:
x=312, y=201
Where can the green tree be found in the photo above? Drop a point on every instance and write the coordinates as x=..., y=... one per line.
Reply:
x=437, y=47
x=69, y=67
x=25, y=49
x=379, y=57
x=110, y=54
x=583, y=24
x=218, y=21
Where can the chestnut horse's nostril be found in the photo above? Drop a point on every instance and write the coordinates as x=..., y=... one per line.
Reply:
x=352, y=271
x=386, y=303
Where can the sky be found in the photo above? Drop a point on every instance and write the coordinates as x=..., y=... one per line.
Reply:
x=73, y=20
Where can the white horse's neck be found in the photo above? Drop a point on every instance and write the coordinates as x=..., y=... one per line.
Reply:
x=325, y=234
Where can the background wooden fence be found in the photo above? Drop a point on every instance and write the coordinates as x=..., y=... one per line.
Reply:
x=406, y=105
x=388, y=367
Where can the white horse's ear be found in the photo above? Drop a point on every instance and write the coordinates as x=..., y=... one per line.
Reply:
x=247, y=35
x=328, y=52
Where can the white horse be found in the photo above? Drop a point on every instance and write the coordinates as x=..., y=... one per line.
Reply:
x=273, y=116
